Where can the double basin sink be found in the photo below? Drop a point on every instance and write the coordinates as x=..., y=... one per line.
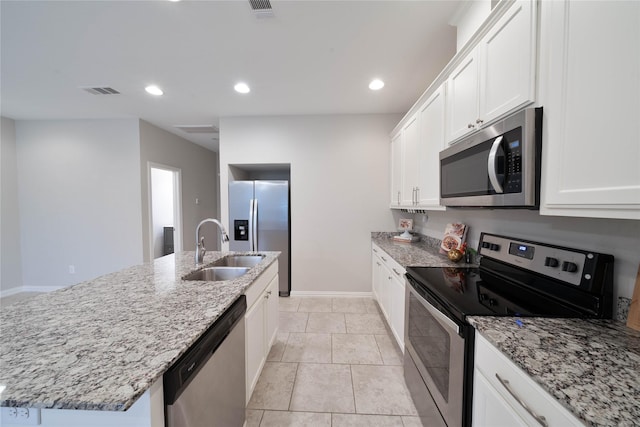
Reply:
x=227, y=268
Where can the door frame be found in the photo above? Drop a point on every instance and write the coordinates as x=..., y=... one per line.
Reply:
x=177, y=206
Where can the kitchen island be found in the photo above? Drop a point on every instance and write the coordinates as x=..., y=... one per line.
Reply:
x=101, y=344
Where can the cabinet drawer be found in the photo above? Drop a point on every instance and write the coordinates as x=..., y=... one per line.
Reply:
x=391, y=264
x=517, y=388
x=260, y=284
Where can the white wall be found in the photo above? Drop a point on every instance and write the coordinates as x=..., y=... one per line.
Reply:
x=10, y=266
x=162, y=206
x=199, y=170
x=621, y=238
x=468, y=18
x=339, y=189
x=79, y=199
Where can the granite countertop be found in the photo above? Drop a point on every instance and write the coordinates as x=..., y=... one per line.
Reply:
x=101, y=344
x=423, y=253
x=592, y=367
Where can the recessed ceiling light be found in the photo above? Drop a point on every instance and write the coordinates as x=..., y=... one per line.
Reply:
x=242, y=88
x=154, y=90
x=376, y=84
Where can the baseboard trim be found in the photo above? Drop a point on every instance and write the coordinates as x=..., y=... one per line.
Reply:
x=9, y=292
x=331, y=294
x=21, y=289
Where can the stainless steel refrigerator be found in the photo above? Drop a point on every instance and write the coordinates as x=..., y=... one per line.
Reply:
x=259, y=218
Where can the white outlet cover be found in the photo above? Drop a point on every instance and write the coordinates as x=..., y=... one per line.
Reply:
x=20, y=417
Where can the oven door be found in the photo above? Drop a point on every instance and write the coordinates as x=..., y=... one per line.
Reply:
x=435, y=351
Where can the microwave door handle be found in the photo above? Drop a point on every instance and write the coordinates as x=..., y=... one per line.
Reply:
x=491, y=165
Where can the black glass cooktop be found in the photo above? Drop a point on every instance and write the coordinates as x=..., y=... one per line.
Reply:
x=477, y=292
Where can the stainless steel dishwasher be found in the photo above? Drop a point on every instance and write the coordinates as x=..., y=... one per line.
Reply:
x=206, y=386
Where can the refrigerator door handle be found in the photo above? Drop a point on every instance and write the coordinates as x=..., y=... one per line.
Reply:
x=254, y=229
x=251, y=223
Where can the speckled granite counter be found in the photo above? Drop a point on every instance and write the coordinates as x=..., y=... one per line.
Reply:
x=591, y=366
x=101, y=344
x=418, y=254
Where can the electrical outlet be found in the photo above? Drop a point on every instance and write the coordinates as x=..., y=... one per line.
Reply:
x=21, y=416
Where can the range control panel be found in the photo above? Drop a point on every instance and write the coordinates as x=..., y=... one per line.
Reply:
x=573, y=266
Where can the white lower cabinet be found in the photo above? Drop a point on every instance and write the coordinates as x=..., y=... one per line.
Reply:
x=504, y=395
x=261, y=324
x=397, y=309
x=388, y=288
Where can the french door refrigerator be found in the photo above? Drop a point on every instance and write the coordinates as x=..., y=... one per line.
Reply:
x=259, y=217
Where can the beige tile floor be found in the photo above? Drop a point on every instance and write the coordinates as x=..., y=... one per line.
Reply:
x=334, y=363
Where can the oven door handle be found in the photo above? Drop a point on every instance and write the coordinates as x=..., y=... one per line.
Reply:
x=444, y=320
x=491, y=165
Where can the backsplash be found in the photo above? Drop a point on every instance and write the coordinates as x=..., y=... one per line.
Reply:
x=622, y=311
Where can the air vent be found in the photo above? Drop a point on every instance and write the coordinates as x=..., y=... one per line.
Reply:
x=262, y=8
x=101, y=90
x=197, y=128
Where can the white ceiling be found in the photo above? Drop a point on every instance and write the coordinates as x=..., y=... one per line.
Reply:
x=311, y=57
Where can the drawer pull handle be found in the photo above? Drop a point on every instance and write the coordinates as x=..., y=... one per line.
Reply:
x=394, y=270
x=384, y=259
x=539, y=418
x=375, y=250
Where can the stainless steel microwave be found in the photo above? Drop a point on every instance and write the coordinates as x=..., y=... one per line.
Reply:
x=497, y=167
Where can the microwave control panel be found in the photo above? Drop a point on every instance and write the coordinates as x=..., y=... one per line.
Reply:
x=513, y=161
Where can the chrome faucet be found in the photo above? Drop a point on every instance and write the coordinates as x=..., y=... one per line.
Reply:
x=200, y=249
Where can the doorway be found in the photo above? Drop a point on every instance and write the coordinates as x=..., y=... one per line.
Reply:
x=165, y=207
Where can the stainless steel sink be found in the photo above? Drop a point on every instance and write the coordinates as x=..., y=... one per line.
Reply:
x=239, y=260
x=212, y=274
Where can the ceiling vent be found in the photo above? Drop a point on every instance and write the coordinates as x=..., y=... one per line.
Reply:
x=101, y=90
x=262, y=8
x=197, y=128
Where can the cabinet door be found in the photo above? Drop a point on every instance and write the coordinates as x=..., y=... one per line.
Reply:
x=591, y=153
x=376, y=275
x=431, y=142
x=255, y=351
x=272, y=313
x=462, y=98
x=507, y=62
x=385, y=292
x=410, y=161
x=396, y=170
x=397, y=310
x=489, y=408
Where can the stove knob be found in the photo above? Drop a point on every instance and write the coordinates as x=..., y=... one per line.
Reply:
x=486, y=245
x=483, y=297
x=551, y=262
x=569, y=267
x=492, y=302
x=494, y=247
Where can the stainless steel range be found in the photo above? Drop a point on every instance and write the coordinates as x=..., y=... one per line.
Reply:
x=516, y=277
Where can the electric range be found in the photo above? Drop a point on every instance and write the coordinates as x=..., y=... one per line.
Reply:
x=515, y=277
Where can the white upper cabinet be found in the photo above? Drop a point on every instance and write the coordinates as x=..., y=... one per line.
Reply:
x=508, y=52
x=410, y=142
x=431, y=121
x=497, y=76
x=590, y=90
x=418, y=144
x=462, y=98
x=396, y=170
